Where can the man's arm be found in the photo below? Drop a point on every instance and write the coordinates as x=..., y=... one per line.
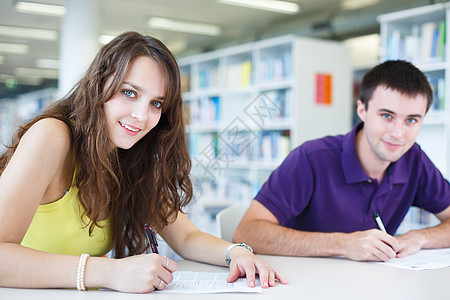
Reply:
x=260, y=229
x=429, y=238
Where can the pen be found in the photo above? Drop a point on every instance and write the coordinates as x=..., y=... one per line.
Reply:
x=151, y=236
x=377, y=218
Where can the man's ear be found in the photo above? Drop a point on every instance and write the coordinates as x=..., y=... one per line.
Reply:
x=361, y=110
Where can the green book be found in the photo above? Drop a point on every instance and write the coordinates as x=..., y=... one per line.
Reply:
x=440, y=49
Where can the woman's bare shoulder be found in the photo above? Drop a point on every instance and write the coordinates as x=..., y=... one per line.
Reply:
x=47, y=137
x=49, y=133
x=51, y=126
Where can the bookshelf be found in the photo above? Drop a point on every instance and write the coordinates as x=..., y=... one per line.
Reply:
x=249, y=105
x=419, y=35
x=15, y=111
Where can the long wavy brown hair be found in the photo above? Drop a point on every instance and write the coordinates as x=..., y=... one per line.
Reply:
x=148, y=183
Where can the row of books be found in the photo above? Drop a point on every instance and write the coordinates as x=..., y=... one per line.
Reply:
x=273, y=146
x=280, y=102
x=273, y=68
x=208, y=77
x=213, y=152
x=425, y=43
x=204, y=147
x=239, y=75
x=274, y=104
x=205, y=110
x=438, y=86
x=223, y=188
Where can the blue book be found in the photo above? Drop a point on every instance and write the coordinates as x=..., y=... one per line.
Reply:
x=435, y=42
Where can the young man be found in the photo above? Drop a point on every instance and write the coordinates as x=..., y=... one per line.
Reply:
x=320, y=201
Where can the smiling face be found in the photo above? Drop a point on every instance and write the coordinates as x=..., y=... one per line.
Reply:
x=391, y=124
x=136, y=108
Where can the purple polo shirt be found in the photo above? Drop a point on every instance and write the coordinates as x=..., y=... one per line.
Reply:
x=322, y=187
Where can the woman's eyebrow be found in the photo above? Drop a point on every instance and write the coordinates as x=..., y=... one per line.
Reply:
x=139, y=89
x=136, y=87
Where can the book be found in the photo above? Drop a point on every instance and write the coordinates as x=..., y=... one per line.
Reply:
x=440, y=47
x=428, y=33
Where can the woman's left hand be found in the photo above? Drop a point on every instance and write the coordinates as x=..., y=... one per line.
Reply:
x=244, y=263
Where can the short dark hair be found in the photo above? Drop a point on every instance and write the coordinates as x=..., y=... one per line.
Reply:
x=398, y=75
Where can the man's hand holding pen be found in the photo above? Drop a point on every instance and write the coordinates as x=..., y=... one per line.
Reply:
x=369, y=245
x=372, y=244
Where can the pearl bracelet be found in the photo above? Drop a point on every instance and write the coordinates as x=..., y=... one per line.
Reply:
x=81, y=271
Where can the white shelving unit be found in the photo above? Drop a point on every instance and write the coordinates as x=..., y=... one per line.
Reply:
x=15, y=111
x=248, y=106
x=419, y=35
x=405, y=35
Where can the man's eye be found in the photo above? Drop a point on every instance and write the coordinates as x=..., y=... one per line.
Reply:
x=411, y=120
x=386, y=116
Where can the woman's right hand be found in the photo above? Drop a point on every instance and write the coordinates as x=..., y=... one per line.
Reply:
x=141, y=273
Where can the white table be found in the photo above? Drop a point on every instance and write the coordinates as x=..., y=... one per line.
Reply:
x=309, y=278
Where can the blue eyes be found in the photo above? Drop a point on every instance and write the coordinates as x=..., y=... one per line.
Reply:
x=156, y=104
x=131, y=94
x=409, y=120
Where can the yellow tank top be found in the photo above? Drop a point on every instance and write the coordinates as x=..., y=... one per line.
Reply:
x=57, y=228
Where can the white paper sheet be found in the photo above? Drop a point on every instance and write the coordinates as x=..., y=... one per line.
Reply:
x=423, y=260
x=207, y=282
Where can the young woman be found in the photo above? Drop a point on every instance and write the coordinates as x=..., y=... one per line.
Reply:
x=87, y=174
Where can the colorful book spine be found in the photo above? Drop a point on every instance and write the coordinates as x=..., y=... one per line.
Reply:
x=425, y=43
x=275, y=68
x=240, y=74
x=205, y=110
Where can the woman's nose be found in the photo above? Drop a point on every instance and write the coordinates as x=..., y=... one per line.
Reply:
x=139, y=111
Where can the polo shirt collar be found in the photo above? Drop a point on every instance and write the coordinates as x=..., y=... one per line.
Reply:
x=353, y=171
x=398, y=171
